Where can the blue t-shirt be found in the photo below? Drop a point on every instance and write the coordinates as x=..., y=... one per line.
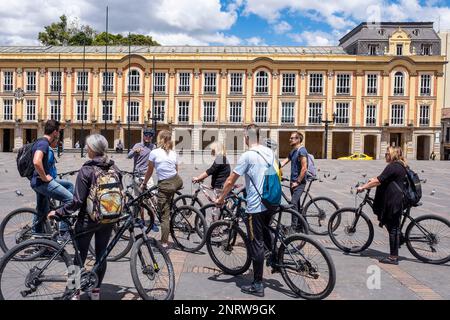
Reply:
x=296, y=166
x=253, y=165
x=51, y=163
x=44, y=146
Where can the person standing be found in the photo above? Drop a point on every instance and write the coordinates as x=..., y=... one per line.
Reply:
x=252, y=165
x=388, y=203
x=43, y=180
x=140, y=153
x=299, y=166
x=165, y=161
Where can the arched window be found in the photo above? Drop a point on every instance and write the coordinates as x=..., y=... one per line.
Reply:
x=134, y=81
x=262, y=83
x=399, y=84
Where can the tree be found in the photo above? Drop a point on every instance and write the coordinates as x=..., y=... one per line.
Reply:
x=65, y=33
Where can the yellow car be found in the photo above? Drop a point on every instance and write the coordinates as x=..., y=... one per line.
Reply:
x=356, y=156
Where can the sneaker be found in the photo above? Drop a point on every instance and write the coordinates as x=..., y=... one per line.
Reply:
x=95, y=294
x=76, y=296
x=389, y=260
x=155, y=228
x=256, y=289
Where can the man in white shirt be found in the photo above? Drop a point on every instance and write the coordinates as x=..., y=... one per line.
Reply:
x=253, y=164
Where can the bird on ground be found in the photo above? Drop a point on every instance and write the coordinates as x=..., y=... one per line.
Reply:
x=364, y=175
x=19, y=193
x=334, y=178
x=424, y=181
x=432, y=192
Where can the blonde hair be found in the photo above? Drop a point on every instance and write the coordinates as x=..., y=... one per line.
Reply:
x=218, y=148
x=165, y=140
x=396, y=154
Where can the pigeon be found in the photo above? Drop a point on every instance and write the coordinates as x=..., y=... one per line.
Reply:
x=351, y=190
x=364, y=175
x=318, y=170
x=320, y=180
x=6, y=170
x=424, y=180
x=328, y=174
x=334, y=178
x=423, y=171
x=324, y=175
x=19, y=193
x=432, y=192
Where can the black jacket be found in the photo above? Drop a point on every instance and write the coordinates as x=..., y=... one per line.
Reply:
x=219, y=172
x=83, y=185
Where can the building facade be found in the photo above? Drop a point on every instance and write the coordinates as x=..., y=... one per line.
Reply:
x=390, y=95
x=445, y=135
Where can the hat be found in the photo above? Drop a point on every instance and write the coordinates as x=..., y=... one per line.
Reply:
x=149, y=132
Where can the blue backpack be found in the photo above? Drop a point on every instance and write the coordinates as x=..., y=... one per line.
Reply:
x=271, y=195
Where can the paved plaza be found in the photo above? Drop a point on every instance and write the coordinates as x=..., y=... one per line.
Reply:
x=198, y=278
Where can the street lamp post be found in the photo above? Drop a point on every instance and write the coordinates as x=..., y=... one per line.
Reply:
x=155, y=119
x=327, y=123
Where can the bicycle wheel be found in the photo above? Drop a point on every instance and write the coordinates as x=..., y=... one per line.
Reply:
x=306, y=267
x=213, y=214
x=428, y=239
x=122, y=247
x=187, y=200
x=188, y=228
x=349, y=232
x=20, y=278
x=228, y=247
x=317, y=212
x=16, y=227
x=154, y=278
x=291, y=222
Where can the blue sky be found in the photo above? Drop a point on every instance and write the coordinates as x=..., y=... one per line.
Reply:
x=218, y=22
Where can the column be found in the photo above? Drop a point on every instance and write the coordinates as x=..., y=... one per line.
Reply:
x=42, y=112
x=248, y=110
x=96, y=113
x=119, y=96
x=274, y=119
x=384, y=107
x=195, y=107
x=302, y=107
x=412, y=108
x=223, y=98
x=359, y=114
x=170, y=111
x=68, y=110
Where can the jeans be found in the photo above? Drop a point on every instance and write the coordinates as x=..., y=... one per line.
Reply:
x=61, y=190
x=296, y=194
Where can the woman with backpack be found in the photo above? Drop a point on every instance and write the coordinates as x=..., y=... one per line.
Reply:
x=164, y=160
x=389, y=199
x=87, y=180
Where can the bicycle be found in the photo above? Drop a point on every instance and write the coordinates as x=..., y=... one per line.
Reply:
x=316, y=211
x=290, y=254
x=18, y=225
x=351, y=231
x=149, y=261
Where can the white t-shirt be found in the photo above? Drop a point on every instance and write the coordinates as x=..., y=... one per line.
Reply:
x=165, y=163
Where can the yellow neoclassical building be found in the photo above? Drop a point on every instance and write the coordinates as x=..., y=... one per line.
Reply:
x=382, y=85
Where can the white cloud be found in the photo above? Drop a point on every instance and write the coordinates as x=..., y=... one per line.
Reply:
x=282, y=27
x=168, y=21
x=314, y=38
x=255, y=41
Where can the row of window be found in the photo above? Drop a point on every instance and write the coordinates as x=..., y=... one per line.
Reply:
x=209, y=112
x=288, y=83
x=426, y=49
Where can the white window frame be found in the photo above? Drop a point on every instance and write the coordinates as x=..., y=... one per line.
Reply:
x=61, y=109
x=349, y=113
x=420, y=115
x=204, y=77
x=10, y=112
x=394, y=83
x=79, y=84
x=160, y=82
x=236, y=113
x=135, y=111
x=4, y=84
x=230, y=81
x=139, y=82
x=349, y=87
x=180, y=85
x=188, y=115
x=291, y=81
x=377, y=80
x=102, y=119
x=255, y=112
x=370, y=46
x=397, y=47
x=430, y=48
x=391, y=111
x=430, y=84
x=30, y=117
x=51, y=83
x=283, y=112
x=366, y=115
x=77, y=113
x=36, y=76
x=313, y=115
x=310, y=74
x=112, y=73
x=205, y=119
x=160, y=104
x=259, y=85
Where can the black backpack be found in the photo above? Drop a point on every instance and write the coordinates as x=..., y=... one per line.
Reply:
x=24, y=160
x=412, y=188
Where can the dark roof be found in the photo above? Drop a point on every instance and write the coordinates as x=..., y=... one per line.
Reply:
x=288, y=50
x=365, y=31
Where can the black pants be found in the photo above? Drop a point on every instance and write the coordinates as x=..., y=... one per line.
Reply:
x=259, y=236
x=102, y=234
x=393, y=227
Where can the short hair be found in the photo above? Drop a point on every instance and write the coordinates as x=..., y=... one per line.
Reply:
x=252, y=130
x=299, y=135
x=50, y=126
x=97, y=143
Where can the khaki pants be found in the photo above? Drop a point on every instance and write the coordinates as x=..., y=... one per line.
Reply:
x=166, y=190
